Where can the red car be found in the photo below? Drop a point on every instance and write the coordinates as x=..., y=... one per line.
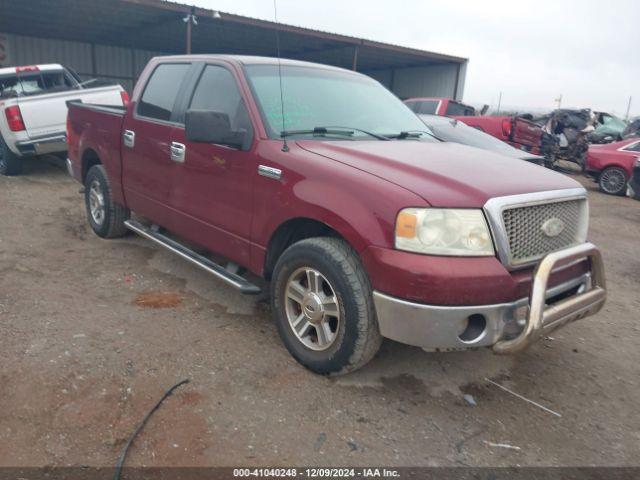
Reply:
x=611, y=164
x=365, y=225
x=516, y=131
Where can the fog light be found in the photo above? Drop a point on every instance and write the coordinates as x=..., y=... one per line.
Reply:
x=476, y=327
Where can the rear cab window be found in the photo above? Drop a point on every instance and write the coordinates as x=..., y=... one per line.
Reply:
x=36, y=82
x=161, y=91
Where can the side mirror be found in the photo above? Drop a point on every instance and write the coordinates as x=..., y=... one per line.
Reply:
x=206, y=126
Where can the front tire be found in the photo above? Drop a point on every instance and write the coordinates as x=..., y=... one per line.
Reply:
x=613, y=180
x=323, y=306
x=105, y=217
x=10, y=163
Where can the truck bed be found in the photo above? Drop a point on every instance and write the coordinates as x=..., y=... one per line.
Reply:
x=45, y=114
x=101, y=127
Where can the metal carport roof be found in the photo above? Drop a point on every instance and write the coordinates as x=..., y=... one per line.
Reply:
x=158, y=26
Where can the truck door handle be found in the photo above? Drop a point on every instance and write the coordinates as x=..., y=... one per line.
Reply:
x=129, y=138
x=177, y=152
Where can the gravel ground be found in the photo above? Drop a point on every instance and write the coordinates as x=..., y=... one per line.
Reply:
x=92, y=332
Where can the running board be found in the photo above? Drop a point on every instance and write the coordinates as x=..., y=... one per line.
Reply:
x=213, y=268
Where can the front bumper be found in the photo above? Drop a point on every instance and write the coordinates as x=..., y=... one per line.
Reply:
x=507, y=327
x=42, y=145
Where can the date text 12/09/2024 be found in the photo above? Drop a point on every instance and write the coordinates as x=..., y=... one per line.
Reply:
x=316, y=472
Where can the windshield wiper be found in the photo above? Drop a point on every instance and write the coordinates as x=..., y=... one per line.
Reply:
x=407, y=134
x=321, y=131
x=412, y=134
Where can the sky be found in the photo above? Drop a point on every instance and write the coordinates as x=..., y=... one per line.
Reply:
x=531, y=51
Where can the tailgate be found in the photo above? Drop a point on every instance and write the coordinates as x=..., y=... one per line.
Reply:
x=526, y=132
x=47, y=114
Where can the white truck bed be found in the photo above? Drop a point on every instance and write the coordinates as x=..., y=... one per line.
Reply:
x=44, y=115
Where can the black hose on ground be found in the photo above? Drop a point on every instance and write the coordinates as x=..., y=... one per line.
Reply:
x=125, y=450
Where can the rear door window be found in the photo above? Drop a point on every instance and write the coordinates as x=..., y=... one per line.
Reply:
x=161, y=91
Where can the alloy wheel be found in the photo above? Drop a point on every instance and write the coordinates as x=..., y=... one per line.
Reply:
x=96, y=202
x=312, y=309
x=613, y=181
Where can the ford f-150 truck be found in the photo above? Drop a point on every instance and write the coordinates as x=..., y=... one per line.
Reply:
x=322, y=182
x=33, y=110
x=514, y=130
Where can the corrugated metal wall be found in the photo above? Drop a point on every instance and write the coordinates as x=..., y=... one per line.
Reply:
x=114, y=64
x=430, y=81
x=123, y=65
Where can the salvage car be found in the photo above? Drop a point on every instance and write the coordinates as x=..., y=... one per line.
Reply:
x=632, y=129
x=517, y=131
x=33, y=100
x=453, y=130
x=611, y=165
x=322, y=182
x=565, y=136
x=608, y=128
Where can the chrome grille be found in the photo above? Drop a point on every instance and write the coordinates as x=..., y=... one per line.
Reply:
x=526, y=238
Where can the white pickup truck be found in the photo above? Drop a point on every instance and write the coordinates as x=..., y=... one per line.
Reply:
x=33, y=110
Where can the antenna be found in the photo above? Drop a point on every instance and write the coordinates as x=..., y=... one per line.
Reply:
x=285, y=147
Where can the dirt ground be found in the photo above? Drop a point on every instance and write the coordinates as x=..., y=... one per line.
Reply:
x=92, y=333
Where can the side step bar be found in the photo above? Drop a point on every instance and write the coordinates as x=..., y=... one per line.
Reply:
x=213, y=268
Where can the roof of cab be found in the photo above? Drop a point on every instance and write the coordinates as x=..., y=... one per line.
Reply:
x=248, y=60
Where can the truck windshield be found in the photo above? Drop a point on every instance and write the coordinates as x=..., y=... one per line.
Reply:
x=35, y=83
x=317, y=97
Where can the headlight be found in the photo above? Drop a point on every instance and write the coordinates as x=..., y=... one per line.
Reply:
x=444, y=231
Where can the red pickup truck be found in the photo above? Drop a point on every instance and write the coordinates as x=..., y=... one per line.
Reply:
x=516, y=131
x=322, y=182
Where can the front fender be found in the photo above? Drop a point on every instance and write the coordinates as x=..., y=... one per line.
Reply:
x=362, y=208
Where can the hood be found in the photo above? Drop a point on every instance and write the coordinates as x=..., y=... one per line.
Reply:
x=519, y=154
x=445, y=174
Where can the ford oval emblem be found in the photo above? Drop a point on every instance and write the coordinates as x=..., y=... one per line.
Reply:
x=553, y=227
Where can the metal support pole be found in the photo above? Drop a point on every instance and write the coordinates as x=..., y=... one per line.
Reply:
x=94, y=69
x=626, y=117
x=455, y=86
x=355, y=57
x=190, y=21
x=188, y=37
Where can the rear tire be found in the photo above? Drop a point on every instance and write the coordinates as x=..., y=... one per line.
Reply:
x=321, y=284
x=10, y=163
x=613, y=180
x=105, y=216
